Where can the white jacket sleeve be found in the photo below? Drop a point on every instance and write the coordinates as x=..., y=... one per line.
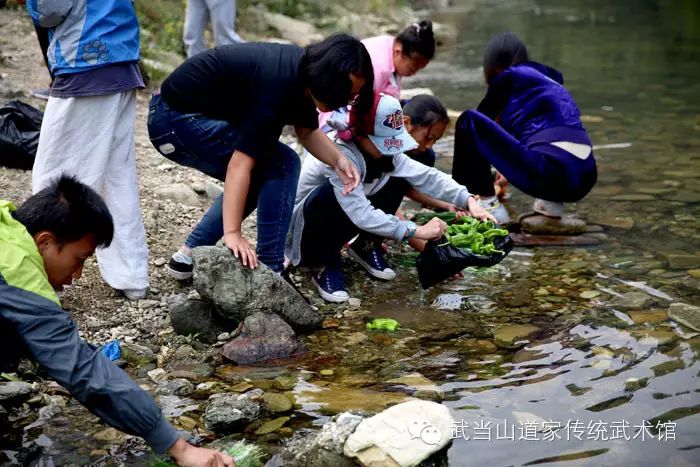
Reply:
x=430, y=181
x=361, y=212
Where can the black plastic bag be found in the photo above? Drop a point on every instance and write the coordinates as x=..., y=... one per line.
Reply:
x=440, y=260
x=19, y=134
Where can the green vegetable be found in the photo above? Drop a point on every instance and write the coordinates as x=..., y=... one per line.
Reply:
x=423, y=217
x=475, y=235
x=383, y=324
x=246, y=455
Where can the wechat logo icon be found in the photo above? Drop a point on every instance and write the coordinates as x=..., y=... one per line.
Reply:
x=425, y=431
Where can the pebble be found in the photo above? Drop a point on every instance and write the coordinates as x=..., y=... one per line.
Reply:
x=157, y=375
x=160, y=262
x=223, y=337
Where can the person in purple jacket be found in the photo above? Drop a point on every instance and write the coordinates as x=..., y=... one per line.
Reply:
x=529, y=128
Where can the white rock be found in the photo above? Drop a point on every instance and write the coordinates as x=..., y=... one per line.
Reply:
x=405, y=434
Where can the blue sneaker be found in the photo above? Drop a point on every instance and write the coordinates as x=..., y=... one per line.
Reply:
x=371, y=257
x=330, y=283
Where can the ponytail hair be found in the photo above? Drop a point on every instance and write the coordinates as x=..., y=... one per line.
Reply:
x=425, y=110
x=418, y=38
x=503, y=51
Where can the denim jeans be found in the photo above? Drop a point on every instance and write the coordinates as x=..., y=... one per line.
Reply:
x=196, y=141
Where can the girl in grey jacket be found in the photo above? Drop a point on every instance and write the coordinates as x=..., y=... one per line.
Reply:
x=324, y=220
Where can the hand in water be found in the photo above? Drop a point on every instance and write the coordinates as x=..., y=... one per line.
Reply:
x=187, y=455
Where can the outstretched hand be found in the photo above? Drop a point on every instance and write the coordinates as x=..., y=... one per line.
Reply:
x=476, y=210
x=187, y=455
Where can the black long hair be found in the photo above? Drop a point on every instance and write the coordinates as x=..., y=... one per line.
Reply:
x=425, y=110
x=503, y=51
x=418, y=38
x=326, y=66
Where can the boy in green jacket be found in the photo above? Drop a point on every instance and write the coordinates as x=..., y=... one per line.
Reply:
x=43, y=246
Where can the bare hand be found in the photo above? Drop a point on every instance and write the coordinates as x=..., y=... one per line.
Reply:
x=475, y=210
x=187, y=455
x=459, y=212
x=347, y=173
x=242, y=249
x=433, y=230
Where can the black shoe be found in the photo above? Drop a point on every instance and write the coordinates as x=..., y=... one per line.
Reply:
x=179, y=268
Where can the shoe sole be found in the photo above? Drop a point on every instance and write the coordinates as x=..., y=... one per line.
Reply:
x=386, y=276
x=178, y=275
x=328, y=297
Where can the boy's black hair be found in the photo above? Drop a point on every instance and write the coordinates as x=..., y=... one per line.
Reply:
x=503, y=51
x=425, y=110
x=70, y=210
x=326, y=66
x=418, y=38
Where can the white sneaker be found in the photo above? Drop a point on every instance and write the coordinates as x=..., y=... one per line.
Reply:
x=496, y=209
x=548, y=208
x=135, y=294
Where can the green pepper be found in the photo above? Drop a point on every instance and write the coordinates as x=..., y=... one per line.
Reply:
x=383, y=324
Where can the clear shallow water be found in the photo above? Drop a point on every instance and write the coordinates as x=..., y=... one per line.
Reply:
x=634, y=69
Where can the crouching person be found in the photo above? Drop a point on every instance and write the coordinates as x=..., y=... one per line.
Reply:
x=324, y=220
x=43, y=246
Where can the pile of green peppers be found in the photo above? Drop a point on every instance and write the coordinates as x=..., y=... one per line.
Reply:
x=476, y=235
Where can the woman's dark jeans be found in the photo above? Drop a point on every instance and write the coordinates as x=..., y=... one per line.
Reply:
x=207, y=145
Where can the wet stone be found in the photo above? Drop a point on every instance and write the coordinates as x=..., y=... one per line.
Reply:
x=177, y=387
x=544, y=225
x=615, y=222
x=272, y=425
x=632, y=197
x=276, y=402
x=649, y=316
x=687, y=315
x=632, y=300
x=263, y=337
x=230, y=412
x=681, y=260
x=514, y=336
x=655, y=337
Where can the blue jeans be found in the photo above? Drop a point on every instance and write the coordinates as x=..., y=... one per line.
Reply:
x=207, y=145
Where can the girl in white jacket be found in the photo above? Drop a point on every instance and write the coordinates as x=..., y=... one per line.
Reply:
x=324, y=220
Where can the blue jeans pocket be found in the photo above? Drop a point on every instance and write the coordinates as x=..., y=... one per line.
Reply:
x=170, y=146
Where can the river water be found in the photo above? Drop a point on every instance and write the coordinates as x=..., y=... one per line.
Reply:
x=634, y=69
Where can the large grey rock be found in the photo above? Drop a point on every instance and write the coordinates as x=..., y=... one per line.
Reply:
x=264, y=336
x=405, y=435
x=231, y=411
x=322, y=448
x=687, y=315
x=238, y=291
x=14, y=391
x=199, y=318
